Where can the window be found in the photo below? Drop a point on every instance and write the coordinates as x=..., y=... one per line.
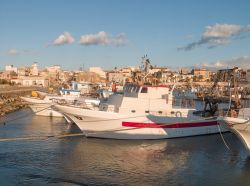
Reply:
x=144, y=90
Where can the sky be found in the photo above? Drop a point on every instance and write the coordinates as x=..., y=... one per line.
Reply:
x=117, y=33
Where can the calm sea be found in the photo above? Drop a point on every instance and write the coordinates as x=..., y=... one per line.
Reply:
x=202, y=160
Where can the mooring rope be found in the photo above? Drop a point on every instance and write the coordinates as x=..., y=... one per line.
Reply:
x=41, y=137
x=222, y=137
x=23, y=116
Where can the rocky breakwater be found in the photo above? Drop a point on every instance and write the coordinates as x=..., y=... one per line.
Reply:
x=10, y=103
x=10, y=98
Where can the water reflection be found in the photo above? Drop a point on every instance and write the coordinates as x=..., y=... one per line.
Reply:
x=113, y=161
x=45, y=126
x=202, y=160
x=24, y=124
x=146, y=162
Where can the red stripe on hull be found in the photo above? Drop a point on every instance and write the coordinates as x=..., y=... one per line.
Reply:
x=165, y=125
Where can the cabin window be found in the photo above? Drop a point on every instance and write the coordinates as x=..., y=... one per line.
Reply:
x=129, y=89
x=133, y=111
x=132, y=89
x=146, y=111
x=144, y=90
x=137, y=89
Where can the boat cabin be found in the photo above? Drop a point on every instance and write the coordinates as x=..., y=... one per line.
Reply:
x=140, y=99
x=146, y=91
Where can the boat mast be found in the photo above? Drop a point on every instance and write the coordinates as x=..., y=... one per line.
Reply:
x=145, y=67
x=235, y=81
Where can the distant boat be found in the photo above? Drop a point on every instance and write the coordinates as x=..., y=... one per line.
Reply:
x=141, y=112
x=43, y=105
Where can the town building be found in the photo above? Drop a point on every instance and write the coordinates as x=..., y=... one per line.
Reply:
x=201, y=74
x=99, y=71
x=83, y=76
x=8, y=75
x=11, y=68
x=248, y=75
x=53, y=69
x=23, y=71
x=116, y=77
x=34, y=70
x=31, y=81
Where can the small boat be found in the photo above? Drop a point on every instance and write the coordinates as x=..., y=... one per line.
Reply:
x=141, y=112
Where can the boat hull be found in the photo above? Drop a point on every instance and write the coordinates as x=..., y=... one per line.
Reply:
x=102, y=124
x=240, y=127
x=45, y=110
x=42, y=107
x=120, y=129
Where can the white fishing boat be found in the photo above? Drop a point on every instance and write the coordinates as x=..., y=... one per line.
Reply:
x=239, y=125
x=43, y=105
x=237, y=117
x=142, y=112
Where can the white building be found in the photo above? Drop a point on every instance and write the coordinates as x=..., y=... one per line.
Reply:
x=34, y=70
x=11, y=68
x=98, y=70
x=54, y=69
x=22, y=71
x=158, y=69
x=116, y=77
x=31, y=81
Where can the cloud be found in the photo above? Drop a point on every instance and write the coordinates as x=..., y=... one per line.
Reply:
x=219, y=34
x=13, y=52
x=102, y=38
x=63, y=39
x=120, y=39
x=241, y=62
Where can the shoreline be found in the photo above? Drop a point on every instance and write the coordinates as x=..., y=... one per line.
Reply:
x=10, y=100
x=10, y=103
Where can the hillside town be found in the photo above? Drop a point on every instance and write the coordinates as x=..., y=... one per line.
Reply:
x=55, y=77
x=17, y=81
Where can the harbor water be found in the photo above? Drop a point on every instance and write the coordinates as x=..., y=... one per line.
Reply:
x=200, y=160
